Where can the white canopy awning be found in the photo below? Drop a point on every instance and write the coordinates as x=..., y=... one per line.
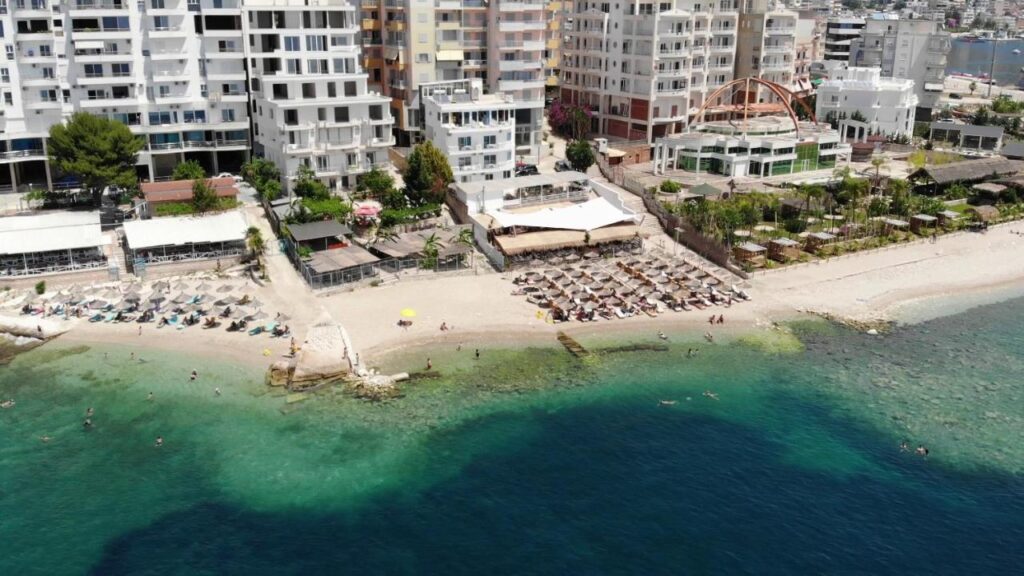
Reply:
x=89, y=44
x=50, y=232
x=179, y=231
x=590, y=215
x=450, y=56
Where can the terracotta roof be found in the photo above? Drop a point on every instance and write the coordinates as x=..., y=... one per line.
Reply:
x=181, y=190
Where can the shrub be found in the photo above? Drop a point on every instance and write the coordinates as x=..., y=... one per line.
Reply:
x=670, y=187
x=41, y=287
x=795, y=225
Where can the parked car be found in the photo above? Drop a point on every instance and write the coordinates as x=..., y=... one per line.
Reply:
x=526, y=170
x=234, y=177
x=563, y=166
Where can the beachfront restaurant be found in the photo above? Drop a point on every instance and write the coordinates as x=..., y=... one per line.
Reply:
x=337, y=266
x=521, y=220
x=409, y=250
x=49, y=243
x=935, y=179
x=186, y=238
x=323, y=235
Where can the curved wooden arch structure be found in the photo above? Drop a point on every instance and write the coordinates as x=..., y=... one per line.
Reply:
x=785, y=95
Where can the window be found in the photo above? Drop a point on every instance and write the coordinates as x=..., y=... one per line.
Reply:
x=293, y=66
x=5, y=75
x=323, y=162
x=122, y=69
x=423, y=58
x=341, y=114
x=8, y=99
x=317, y=66
x=291, y=43
x=490, y=159
x=156, y=4
x=465, y=142
x=490, y=141
x=194, y=116
x=162, y=118
x=115, y=23
x=165, y=91
x=93, y=70
x=226, y=45
x=227, y=115
x=161, y=23
x=465, y=163
x=48, y=95
x=316, y=43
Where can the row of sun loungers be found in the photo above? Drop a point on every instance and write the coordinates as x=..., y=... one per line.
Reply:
x=626, y=288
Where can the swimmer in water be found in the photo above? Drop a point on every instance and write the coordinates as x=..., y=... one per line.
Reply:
x=149, y=397
x=904, y=446
x=87, y=424
x=710, y=394
x=89, y=411
x=194, y=375
x=216, y=391
x=45, y=438
x=159, y=441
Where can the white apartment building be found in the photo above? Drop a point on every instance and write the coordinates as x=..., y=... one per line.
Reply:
x=644, y=67
x=311, y=105
x=886, y=104
x=766, y=47
x=178, y=72
x=172, y=70
x=476, y=131
x=409, y=43
x=913, y=49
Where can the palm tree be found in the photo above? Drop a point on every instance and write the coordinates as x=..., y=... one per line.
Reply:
x=431, y=248
x=384, y=234
x=878, y=162
x=254, y=241
x=465, y=237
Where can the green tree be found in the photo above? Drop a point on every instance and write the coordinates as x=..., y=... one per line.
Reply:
x=257, y=246
x=188, y=170
x=204, y=197
x=899, y=197
x=270, y=190
x=307, y=185
x=811, y=192
x=580, y=155
x=376, y=183
x=99, y=151
x=259, y=171
x=428, y=174
x=384, y=234
x=981, y=117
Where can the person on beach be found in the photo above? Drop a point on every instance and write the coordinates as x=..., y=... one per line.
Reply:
x=159, y=441
x=477, y=353
x=131, y=356
x=721, y=319
x=140, y=330
x=9, y=403
x=458, y=348
x=711, y=320
x=709, y=337
x=444, y=326
x=430, y=364
x=194, y=375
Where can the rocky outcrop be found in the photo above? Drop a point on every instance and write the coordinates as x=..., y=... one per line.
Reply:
x=323, y=357
x=32, y=327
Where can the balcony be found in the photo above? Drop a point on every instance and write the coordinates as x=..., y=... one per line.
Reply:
x=777, y=49
x=534, y=46
x=31, y=154
x=521, y=25
x=82, y=7
x=520, y=6
x=517, y=65
x=780, y=30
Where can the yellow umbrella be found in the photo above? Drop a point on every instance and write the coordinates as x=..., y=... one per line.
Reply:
x=408, y=313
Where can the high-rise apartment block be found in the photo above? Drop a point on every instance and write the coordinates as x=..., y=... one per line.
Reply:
x=192, y=77
x=839, y=33
x=408, y=43
x=643, y=66
x=912, y=49
x=311, y=104
x=766, y=47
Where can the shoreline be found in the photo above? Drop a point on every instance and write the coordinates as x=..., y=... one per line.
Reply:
x=879, y=287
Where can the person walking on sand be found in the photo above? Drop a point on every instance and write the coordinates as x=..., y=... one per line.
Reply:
x=721, y=319
x=711, y=320
x=140, y=329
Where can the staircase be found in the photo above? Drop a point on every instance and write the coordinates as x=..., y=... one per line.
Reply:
x=572, y=345
x=110, y=215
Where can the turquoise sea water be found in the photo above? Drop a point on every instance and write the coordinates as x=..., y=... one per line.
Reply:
x=531, y=462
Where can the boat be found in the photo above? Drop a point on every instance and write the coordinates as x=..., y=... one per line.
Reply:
x=1016, y=50
x=971, y=38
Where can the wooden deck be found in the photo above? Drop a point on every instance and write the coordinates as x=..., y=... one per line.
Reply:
x=572, y=345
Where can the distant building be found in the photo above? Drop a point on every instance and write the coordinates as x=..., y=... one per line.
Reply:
x=966, y=137
x=766, y=47
x=886, y=105
x=914, y=49
x=839, y=33
x=476, y=131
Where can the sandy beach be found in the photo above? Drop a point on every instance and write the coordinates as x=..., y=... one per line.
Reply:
x=481, y=312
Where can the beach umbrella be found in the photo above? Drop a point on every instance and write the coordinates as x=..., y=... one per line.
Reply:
x=161, y=286
x=225, y=289
x=256, y=303
x=239, y=313
x=591, y=254
x=283, y=317
x=227, y=301
x=203, y=286
x=181, y=298
x=156, y=298
x=98, y=304
x=536, y=263
x=181, y=285
x=256, y=316
x=408, y=313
